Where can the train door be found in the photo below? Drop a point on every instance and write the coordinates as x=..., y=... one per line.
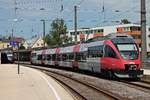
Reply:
x=95, y=54
x=76, y=50
x=57, y=59
x=43, y=61
x=81, y=59
x=33, y=58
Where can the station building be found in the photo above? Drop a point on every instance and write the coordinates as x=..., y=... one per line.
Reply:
x=131, y=29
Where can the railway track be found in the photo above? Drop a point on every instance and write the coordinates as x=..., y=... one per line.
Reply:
x=80, y=88
x=94, y=90
x=140, y=85
x=74, y=93
x=84, y=92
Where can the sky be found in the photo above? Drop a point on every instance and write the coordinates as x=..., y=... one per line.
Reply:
x=90, y=13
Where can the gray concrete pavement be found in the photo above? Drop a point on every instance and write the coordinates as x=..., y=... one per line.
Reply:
x=146, y=71
x=29, y=85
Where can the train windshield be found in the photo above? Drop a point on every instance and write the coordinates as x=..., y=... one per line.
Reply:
x=128, y=51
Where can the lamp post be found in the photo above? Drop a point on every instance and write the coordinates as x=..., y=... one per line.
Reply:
x=18, y=45
x=43, y=31
x=15, y=43
x=42, y=9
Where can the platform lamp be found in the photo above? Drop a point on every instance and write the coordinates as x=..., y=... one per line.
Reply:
x=42, y=9
x=43, y=31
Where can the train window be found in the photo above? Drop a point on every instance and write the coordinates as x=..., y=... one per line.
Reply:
x=71, y=56
x=64, y=57
x=134, y=28
x=95, y=51
x=48, y=57
x=39, y=57
x=80, y=56
x=44, y=57
x=33, y=54
x=77, y=57
x=84, y=55
x=54, y=57
x=58, y=57
x=109, y=52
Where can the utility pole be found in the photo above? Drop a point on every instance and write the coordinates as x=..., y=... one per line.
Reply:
x=75, y=23
x=12, y=32
x=15, y=12
x=43, y=30
x=143, y=31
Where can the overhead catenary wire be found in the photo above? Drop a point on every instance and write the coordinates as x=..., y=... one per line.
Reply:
x=120, y=13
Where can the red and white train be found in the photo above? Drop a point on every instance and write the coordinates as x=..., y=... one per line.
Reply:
x=117, y=55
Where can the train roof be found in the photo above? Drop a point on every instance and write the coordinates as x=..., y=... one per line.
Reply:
x=68, y=49
x=110, y=36
x=121, y=38
x=114, y=37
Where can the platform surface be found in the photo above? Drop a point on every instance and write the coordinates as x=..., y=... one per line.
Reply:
x=30, y=84
x=146, y=71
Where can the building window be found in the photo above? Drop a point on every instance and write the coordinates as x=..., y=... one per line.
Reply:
x=117, y=29
x=149, y=29
x=134, y=28
x=126, y=28
x=100, y=31
x=72, y=33
x=88, y=32
x=91, y=31
x=136, y=36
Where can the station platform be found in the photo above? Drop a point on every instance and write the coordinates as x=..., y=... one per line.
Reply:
x=30, y=84
x=146, y=71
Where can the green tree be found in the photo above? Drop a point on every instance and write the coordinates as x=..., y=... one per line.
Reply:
x=22, y=47
x=125, y=21
x=57, y=35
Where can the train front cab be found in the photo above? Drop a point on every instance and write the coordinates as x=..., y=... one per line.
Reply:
x=117, y=64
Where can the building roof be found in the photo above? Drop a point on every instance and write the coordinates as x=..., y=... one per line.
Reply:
x=33, y=41
x=102, y=27
x=16, y=39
